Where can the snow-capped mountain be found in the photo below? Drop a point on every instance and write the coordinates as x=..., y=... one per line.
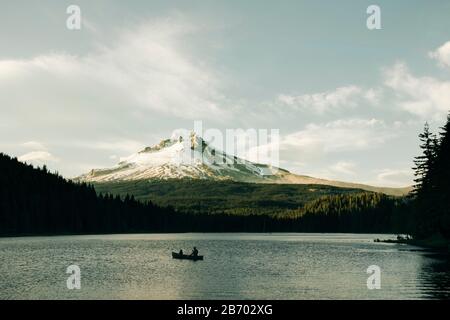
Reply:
x=184, y=158
x=193, y=158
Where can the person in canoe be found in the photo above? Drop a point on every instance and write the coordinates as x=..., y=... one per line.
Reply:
x=194, y=252
x=181, y=252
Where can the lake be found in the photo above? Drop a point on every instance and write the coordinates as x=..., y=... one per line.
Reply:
x=236, y=266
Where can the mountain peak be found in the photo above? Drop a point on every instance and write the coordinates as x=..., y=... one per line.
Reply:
x=182, y=157
x=162, y=144
x=192, y=157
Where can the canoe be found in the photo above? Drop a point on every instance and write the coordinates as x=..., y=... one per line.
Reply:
x=176, y=255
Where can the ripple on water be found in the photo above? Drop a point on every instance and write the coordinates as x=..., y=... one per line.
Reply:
x=236, y=266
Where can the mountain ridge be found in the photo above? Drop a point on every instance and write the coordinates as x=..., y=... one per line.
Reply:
x=194, y=158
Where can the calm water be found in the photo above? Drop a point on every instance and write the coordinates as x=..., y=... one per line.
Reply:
x=236, y=266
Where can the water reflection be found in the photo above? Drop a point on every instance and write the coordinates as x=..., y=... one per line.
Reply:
x=435, y=276
x=236, y=266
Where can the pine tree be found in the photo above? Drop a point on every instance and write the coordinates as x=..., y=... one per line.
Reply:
x=424, y=162
x=441, y=179
x=432, y=190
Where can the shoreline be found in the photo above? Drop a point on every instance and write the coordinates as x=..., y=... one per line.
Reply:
x=25, y=235
x=435, y=244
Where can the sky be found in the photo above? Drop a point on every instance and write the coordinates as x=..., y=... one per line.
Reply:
x=349, y=102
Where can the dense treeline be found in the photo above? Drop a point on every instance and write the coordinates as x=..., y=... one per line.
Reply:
x=431, y=196
x=35, y=201
x=356, y=213
x=223, y=197
x=363, y=212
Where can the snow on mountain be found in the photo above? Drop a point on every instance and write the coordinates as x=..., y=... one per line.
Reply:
x=183, y=158
x=193, y=158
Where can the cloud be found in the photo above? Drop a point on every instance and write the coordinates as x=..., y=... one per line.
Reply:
x=394, y=177
x=425, y=97
x=338, y=136
x=337, y=99
x=310, y=151
x=146, y=68
x=341, y=170
x=122, y=145
x=89, y=25
x=319, y=140
x=38, y=157
x=344, y=167
x=442, y=55
x=34, y=145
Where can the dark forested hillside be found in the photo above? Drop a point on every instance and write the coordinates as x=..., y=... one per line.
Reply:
x=432, y=190
x=34, y=201
x=372, y=212
x=224, y=197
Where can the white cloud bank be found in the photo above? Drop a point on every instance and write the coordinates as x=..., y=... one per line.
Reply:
x=38, y=157
x=442, y=55
x=344, y=167
x=340, y=98
x=426, y=97
x=394, y=177
x=34, y=145
x=338, y=136
x=146, y=68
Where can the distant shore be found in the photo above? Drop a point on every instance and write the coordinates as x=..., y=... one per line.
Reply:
x=437, y=243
